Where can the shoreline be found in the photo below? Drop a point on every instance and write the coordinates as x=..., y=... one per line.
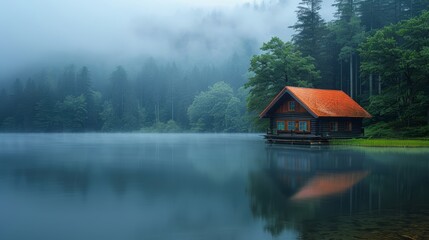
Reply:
x=380, y=142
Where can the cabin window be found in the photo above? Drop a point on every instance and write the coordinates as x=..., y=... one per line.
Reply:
x=333, y=126
x=291, y=126
x=291, y=106
x=280, y=125
x=303, y=126
x=349, y=126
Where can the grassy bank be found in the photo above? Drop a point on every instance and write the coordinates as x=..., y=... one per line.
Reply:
x=382, y=142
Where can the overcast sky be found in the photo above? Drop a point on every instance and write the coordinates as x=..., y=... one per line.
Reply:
x=33, y=31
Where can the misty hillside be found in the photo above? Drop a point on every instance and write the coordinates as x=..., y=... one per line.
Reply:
x=188, y=65
x=167, y=56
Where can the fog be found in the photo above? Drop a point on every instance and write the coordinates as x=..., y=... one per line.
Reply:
x=47, y=32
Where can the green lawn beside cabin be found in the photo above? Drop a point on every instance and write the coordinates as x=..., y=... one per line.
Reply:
x=382, y=142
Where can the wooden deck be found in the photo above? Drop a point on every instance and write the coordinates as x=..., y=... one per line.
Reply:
x=295, y=139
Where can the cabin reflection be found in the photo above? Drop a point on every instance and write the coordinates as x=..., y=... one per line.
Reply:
x=301, y=187
x=305, y=173
x=329, y=184
x=295, y=184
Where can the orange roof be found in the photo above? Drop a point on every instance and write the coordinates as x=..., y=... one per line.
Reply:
x=322, y=103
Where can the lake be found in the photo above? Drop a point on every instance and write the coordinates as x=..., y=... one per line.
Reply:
x=207, y=186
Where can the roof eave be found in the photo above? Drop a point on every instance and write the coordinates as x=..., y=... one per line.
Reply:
x=263, y=114
x=302, y=103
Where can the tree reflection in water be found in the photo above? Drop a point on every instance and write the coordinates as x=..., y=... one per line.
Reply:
x=312, y=190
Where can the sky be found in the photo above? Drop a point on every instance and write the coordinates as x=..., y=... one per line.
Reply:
x=44, y=31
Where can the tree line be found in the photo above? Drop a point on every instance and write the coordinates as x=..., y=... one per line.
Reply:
x=157, y=97
x=375, y=51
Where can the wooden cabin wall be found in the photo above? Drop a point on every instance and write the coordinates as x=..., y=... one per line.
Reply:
x=280, y=113
x=282, y=106
x=323, y=127
x=294, y=117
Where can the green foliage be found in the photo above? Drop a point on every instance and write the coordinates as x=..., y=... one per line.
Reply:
x=131, y=120
x=72, y=113
x=394, y=130
x=160, y=127
x=399, y=53
x=349, y=35
x=315, y=38
x=45, y=114
x=310, y=28
x=159, y=92
x=121, y=112
x=67, y=83
x=376, y=14
x=218, y=110
x=279, y=65
x=381, y=130
x=157, y=95
x=383, y=142
x=110, y=121
x=208, y=108
x=233, y=123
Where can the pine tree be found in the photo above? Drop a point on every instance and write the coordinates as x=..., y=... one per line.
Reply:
x=349, y=34
x=311, y=32
x=83, y=87
x=310, y=28
x=3, y=105
x=279, y=64
x=67, y=82
x=119, y=91
x=83, y=82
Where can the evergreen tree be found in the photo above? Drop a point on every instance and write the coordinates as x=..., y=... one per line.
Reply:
x=349, y=34
x=279, y=64
x=83, y=82
x=30, y=98
x=45, y=119
x=17, y=115
x=121, y=111
x=3, y=106
x=72, y=113
x=372, y=15
x=119, y=91
x=83, y=87
x=149, y=89
x=400, y=54
x=311, y=31
x=234, y=71
x=67, y=82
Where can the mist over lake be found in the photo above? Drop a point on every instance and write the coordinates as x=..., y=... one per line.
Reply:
x=204, y=186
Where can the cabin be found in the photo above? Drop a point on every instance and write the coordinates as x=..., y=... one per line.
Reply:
x=317, y=114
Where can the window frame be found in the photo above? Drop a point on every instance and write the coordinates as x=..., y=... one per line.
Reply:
x=289, y=106
x=293, y=123
x=333, y=126
x=306, y=126
x=277, y=125
x=349, y=126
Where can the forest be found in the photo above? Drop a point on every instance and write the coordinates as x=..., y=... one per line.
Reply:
x=377, y=51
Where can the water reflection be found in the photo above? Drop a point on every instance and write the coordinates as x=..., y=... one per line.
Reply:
x=326, y=184
x=138, y=186
x=310, y=189
x=127, y=186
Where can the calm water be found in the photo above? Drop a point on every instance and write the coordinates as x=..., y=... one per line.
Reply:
x=143, y=186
